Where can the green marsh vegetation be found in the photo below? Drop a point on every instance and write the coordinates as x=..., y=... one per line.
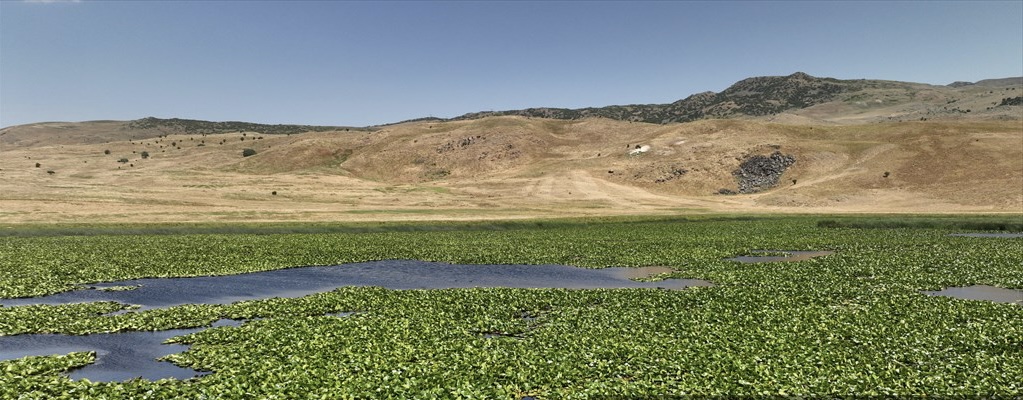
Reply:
x=853, y=323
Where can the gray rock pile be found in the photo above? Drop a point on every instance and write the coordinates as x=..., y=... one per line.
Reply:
x=674, y=173
x=465, y=142
x=759, y=172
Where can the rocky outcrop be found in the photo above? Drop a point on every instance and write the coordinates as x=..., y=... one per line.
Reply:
x=674, y=173
x=760, y=172
x=460, y=144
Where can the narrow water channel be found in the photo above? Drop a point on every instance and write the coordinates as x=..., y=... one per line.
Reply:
x=789, y=256
x=391, y=274
x=1006, y=235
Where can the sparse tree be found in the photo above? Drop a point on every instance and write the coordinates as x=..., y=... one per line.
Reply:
x=248, y=152
x=145, y=154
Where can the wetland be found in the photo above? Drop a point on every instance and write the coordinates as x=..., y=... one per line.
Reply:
x=862, y=320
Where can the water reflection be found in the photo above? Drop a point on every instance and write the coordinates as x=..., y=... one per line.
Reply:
x=981, y=292
x=119, y=356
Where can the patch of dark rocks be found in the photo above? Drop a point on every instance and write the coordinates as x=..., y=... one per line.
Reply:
x=463, y=143
x=758, y=172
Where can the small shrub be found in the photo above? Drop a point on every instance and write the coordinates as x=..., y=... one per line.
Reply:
x=38, y=165
x=107, y=151
x=829, y=223
x=273, y=193
x=145, y=154
x=123, y=160
x=51, y=172
x=248, y=152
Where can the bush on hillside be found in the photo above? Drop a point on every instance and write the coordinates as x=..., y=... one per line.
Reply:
x=1012, y=101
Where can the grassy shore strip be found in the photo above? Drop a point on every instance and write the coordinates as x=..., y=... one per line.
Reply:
x=850, y=324
x=273, y=228
x=978, y=222
x=1009, y=223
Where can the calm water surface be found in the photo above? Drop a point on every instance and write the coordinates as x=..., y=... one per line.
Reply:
x=128, y=355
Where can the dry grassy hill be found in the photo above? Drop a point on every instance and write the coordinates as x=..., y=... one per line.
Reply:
x=505, y=167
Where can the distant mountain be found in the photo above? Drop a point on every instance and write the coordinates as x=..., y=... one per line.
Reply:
x=990, y=82
x=752, y=97
x=798, y=98
x=197, y=126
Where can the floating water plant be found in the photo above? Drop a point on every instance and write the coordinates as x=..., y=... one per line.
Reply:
x=853, y=323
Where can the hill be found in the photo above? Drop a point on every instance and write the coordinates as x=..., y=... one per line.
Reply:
x=513, y=167
x=809, y=99
x=769, y=144
x=91, y=132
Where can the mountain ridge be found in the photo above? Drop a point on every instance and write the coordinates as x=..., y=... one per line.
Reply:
x=751, y=97
x=754, y=97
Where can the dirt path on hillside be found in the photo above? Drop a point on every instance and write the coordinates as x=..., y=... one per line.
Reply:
x=856, y=167
x=582, y=188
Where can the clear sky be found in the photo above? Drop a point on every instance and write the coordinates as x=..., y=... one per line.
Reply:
x=365, y=63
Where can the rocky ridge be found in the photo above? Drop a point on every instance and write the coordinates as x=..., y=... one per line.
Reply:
x=757, y=96
x=772, y=96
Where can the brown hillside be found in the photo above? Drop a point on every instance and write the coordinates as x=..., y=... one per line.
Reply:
x=505, y=167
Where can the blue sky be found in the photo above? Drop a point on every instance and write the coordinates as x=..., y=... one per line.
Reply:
x=365, y=63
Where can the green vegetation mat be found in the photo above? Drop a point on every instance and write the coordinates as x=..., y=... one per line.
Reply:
x=852, y=324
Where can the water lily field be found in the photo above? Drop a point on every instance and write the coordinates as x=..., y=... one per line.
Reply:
x=855, y=322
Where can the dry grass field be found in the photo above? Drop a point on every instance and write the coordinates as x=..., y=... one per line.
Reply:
x=503, y=168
